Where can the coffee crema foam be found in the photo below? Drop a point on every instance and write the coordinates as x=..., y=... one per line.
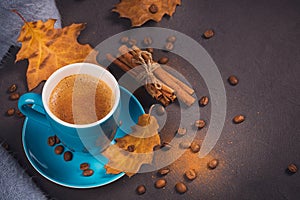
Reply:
x=81, y=99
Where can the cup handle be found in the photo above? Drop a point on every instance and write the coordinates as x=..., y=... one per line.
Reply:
x=24, y=104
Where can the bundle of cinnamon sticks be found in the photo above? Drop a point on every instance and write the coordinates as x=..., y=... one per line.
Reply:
x=159, y=83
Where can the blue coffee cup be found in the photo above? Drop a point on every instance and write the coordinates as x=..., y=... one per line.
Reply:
x=87, y=138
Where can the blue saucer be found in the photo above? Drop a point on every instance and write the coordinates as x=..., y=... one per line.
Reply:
x=53, y=167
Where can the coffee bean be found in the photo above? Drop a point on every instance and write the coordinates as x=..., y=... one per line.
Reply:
x=68, y=156
x=141, y=189
x=88, y=172
x=57, y=140
x=238, y=119
x=132, y=42
x=19, y=114
x=5, y=146
x=12, y=88
x=163, y=60
x=184, y=145
x=292, y=168
x=160, y=183
x=171, y=39
x=195, y=147
x=180, y=187
x=124, y=39
x=150, y=50
x=163, y=171
x=10, y=112
x=166, y=145
x=147, y=41
x=153, y=8
x=169, y=46
x=84, y=166
x=208, y=33
x=131, y=148
x=51, y=141
x=203, y=101
x=14, y=96
x=181, y=132
x=59, y=149
x=190, y=174
x=200, y=123
x=233, y=80
x=160, y=110
x=213, y=163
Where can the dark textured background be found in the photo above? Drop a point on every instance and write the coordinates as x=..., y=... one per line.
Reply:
x=256, y=40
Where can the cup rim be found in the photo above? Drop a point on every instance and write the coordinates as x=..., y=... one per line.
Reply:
x=76, y=65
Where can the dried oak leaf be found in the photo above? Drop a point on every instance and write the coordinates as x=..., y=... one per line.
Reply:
x=138, y=10
x=48, y=49
x=135, y=149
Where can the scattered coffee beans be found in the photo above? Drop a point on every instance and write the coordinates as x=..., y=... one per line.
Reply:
x=292, y=168
x=163, y=60
x=153, y=8
x=51, y=140
x=195, y=147
x=84, y=166
x=88, y=172
x=163, y=171
x=169, y=46
x=132, y=42
x=19, y=114
x=208, y=34
x=171, y=39
x=57, y=140
x=12, y=88
x=141, y=189
x=147, y=41
x=160, y=110
x=14, y=96
x=180, y=187
x=10, y=112
x=213, y=163
x=68, y=156
x=124, y=39
x=238, y=119
x=181, y=131
x=203, y=101
x=233, y=80
x=59, y=149
x=150, y=50
x=190, y=174
x=131, y=148
x=200, y=123
x=160, y=183
x=184, y=145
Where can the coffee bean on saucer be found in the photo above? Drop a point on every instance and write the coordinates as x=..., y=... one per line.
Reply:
x=68, y=156
x=184, y=145
x=203, y=101
x=160, y=183
x=10, y=112
x=163, y=60
x=150, y=50
x=88, y=172
x=147, y=41
x=84, y=166
x=160, y=110
x=163, y=171
x=208, y=33
x=169, y=46
x=131, y=148
x=233, y=80
x=238, y=119
x=180, y=187
x=292, y=168
x=153, y=8
x=200, y=123
x=57, y=140
x=19, y=114
x=124, y=39
x=181, y=132
x=190, y=174
x=12, y=88
x=141, y=189
x=195, y=147
x=132, y=42
x=59, y=149
x=171, y=39
x=14, y=96
x=51, y=141
x=213, y=163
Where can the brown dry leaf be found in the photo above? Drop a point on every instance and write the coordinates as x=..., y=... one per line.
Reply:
x=144, y=137
x=48, y=49
x=138, y=10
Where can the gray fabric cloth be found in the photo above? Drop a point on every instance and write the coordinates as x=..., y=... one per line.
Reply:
x=31, y=10
x=15, y=183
